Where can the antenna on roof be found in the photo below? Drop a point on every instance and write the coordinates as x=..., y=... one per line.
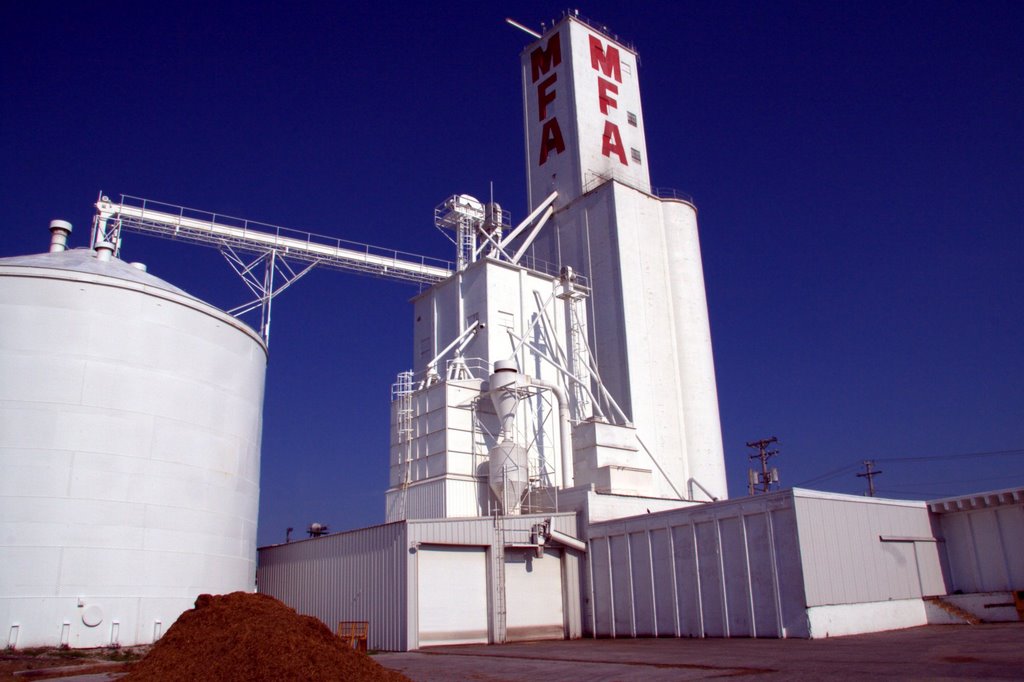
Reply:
x=513, y=22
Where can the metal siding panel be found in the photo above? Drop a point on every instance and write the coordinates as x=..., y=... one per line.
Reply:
x=763, y=577
x=644, y=612
x=573, y=582
x=710, y=572
x=1011, y=525
x=698, y=576
x=844, y=560
x=573, y=566
x=347, y=576
x=622, y=586
x=604, y=608
x=963, y=557
x=988, y=541
x=664, y=582
x=687, y=582
x=787, y=543
x=736, y=582
x=841, y=547
x=809, y=547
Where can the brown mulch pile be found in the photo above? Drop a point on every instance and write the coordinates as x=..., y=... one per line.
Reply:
x=244, y=636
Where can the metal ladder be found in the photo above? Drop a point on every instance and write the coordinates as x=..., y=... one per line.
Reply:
x=500, y=606
x=402, y=395
x=467, y=243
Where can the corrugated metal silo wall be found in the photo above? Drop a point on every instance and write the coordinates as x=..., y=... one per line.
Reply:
x=357, y=575
x=721, y=570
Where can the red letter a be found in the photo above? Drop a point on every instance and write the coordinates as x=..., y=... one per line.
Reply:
x=612, y=143
x=551, y=140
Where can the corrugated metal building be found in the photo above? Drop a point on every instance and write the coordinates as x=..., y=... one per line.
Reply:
x=984, y=540
x=796, y=563
x=431, y=582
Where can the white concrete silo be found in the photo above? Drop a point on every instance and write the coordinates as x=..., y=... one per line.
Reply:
x=130, y=424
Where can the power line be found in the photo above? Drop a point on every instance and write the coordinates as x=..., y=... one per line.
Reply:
x=918, y=493
x=827, y=475
x=963, y=455
x=1015, y=452
x=870, y=474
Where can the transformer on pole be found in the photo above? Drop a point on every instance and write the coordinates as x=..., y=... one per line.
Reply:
x=766, y=476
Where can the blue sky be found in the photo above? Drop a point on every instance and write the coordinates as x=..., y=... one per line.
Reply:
x=858, y=168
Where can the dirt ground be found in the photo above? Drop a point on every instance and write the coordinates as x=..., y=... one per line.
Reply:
x=77, y=661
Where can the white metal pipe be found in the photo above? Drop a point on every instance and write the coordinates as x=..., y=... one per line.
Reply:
x=489, y=239
x=533, y=234
x=507, y=239
x=604, y=390
x=104, y=250
x=565, y=372
x=432, y=365
x=567, y=540
x=59, y=231
x=695, y=482
x=564, y=428
x=657, y=464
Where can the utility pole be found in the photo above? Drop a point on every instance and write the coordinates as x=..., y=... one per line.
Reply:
x=765, y=477
x=869, y=473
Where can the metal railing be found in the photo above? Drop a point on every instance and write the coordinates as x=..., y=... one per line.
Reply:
x=217, y=230
x=672, y=193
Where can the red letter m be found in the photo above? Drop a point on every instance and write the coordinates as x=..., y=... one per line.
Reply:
x=544, y=59
x=606, y=62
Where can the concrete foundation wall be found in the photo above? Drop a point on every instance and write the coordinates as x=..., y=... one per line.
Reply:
x=854, y=619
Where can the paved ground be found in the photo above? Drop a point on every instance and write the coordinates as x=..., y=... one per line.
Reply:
x=933, y=652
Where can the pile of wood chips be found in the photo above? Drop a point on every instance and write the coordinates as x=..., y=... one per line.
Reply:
x=243, y=636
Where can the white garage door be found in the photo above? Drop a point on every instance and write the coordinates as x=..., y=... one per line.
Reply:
x=452, y=595
x=533, y=589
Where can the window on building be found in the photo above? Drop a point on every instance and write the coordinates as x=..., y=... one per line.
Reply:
x=631, y=118
x=635, y=153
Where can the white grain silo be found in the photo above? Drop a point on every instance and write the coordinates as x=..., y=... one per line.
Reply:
x=130, y=423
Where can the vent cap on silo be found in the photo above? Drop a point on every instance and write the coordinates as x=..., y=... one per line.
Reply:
x=59, y=232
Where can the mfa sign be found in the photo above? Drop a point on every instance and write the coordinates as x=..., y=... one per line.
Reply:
x=583, y=117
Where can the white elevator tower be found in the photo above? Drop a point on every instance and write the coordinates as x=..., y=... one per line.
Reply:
x=648, y=319
x=595, y=303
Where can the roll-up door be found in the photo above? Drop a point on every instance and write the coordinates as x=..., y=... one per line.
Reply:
x=452, y=595
x=533, y=589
